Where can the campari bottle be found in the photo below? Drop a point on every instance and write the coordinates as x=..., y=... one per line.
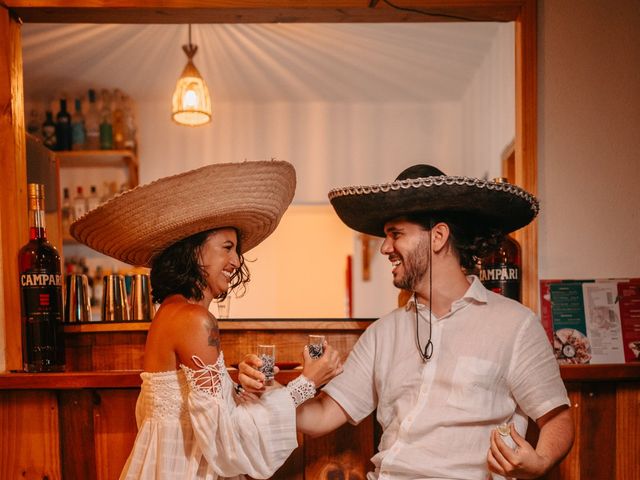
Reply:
x=40, y=293
x=501, y=271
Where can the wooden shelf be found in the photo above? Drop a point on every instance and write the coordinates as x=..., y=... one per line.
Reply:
x=96, y=158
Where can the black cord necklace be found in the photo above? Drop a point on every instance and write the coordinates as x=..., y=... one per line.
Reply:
x=428, y=348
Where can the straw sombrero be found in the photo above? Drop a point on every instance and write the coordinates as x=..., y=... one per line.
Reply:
x=485, y=206
x=138, y=224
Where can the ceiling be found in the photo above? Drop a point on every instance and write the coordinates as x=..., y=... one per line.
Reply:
x=398, y=62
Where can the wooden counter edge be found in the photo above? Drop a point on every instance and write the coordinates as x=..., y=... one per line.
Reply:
x=107, y=379
x=131, y=378
x=249, y=324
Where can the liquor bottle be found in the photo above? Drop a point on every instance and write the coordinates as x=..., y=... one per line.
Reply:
x=49, y=131
x=501, y=271
x=78, y=132
x=118, y=120
x=63, y=127
x=97, y=286
x=66, y=211
x=106, y=127
x=129, y=125
x=79, y=204
x=92, y=123
x=33, y=125
x=93, y=200
x=40, y=293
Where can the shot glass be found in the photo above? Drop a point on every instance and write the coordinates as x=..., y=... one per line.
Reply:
x=224, y=306
x=267, y=353
x=316, y=346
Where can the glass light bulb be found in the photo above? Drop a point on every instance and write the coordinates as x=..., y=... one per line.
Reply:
x=190, y=100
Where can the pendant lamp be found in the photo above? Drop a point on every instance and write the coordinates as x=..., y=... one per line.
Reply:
x=191, y=104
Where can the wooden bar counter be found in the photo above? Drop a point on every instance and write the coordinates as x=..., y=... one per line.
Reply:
x=80, y=424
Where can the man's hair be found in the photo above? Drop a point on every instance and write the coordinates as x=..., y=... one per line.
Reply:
x=177, y=270
x=470, y=240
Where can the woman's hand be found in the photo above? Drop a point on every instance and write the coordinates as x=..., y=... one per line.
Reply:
x=251, y=379
x=321, y=370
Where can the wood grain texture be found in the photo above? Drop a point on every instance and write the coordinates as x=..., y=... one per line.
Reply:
x=115, y=429
x=598, y=431
x=285, y=11
x=29, y=441
x=526, y=155
x=13, y=194
x=343, y=454
x=77, y=434
x=627, y=449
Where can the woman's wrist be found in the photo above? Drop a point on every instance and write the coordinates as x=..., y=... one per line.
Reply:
x=301, y=389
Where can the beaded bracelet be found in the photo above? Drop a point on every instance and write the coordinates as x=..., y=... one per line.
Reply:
x=301, y=389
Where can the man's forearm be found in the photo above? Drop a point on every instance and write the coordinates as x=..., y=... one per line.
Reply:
x=556, y=436
x=320, y=416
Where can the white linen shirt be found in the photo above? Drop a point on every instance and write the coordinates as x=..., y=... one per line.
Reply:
x=492, y=363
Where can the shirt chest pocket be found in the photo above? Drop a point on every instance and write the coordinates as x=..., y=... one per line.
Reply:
x=474, y=384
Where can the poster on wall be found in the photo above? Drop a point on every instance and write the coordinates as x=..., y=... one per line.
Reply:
x=629, y=302
x=594, y=321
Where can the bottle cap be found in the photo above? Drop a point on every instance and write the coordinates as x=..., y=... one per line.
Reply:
x=35, y=190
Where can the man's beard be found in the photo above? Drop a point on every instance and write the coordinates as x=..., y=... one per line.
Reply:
x=415, y=265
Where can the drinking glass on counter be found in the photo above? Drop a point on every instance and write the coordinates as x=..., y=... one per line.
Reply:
x=267, y=354
x=316, y=346
x=224, y=306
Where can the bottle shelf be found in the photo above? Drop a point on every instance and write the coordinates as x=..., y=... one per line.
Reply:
x=96, y=158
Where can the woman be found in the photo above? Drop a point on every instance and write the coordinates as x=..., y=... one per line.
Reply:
x=192, y=230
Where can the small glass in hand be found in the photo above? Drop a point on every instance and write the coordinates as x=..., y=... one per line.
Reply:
x=316, y=346
x=267, y=354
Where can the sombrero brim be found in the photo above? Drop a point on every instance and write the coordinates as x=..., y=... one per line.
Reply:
x=484, y=205
x=138, y=224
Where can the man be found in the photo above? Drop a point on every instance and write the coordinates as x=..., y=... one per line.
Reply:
x=458, y=361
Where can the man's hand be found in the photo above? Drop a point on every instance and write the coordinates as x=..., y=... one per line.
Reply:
x=523, y=462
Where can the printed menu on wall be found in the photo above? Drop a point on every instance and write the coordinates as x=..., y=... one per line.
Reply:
x=629, y=302
x=592, y=321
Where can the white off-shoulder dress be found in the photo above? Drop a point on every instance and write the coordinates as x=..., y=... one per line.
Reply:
x=189, y=427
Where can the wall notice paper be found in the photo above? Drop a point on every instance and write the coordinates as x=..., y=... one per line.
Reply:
x=602, y=318
x=592, y=321
x=629, y=303
x=570, y=342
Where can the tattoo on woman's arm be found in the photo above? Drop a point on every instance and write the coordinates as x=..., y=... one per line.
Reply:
x=214, y=334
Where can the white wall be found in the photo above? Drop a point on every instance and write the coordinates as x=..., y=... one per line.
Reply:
x=488, y=109
x=589, y=138
x=330, y=144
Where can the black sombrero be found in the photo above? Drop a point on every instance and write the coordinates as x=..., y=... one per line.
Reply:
x=486, y=206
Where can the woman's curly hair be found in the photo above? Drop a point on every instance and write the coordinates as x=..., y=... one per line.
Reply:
x=469, y=237
x=177, y=270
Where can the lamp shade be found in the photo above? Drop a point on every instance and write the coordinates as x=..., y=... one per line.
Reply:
x=191, y=104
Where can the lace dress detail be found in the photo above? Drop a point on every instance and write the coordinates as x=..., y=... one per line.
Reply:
x=190, y=428
x=207, y=378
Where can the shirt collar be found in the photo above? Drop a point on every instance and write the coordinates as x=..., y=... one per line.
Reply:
x=475, y=293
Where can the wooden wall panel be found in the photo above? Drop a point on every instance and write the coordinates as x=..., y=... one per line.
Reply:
x=344, y=454
x=77, y=444
x=13, y=194
x=627, y=444
x=29, y=441
x=115, y=429
x=597, y=435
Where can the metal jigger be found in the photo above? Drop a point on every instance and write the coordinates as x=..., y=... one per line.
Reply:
x=77, y=307
x=114, y=299
x=141, y=304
